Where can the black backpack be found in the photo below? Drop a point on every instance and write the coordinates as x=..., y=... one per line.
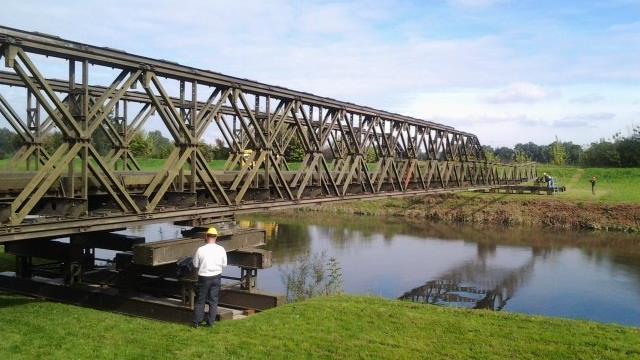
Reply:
x=185, y=267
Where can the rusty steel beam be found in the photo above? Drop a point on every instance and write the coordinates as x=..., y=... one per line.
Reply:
x=108, y=241
x=105, y=299
x=169, y=251
x=250, y=258
x=252, y=300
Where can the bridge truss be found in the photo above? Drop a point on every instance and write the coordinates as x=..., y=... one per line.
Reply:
x=351, y=152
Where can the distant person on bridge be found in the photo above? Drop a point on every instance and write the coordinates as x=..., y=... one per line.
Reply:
x=593, y=184
x=209, y=260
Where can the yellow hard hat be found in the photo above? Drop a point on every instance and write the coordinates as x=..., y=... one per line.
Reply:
x=212, y=232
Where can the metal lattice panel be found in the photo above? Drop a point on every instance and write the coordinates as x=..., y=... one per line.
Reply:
x=350, y=151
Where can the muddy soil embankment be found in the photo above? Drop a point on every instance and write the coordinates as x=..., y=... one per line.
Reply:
x=500, y=210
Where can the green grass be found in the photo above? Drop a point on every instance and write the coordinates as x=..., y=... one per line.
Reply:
x=334, y=327
x=615, y=185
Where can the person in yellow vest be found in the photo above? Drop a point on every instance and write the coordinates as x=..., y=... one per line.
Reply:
x=209, y=261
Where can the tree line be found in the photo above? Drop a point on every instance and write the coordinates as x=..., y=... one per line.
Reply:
x=619, y=151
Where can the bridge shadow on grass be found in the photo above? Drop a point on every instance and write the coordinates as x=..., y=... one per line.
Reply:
x=10, y=300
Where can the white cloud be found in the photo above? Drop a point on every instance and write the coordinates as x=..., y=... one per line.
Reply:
x=521, y=92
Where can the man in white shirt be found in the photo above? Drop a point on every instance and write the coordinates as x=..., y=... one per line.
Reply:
x=209, y=261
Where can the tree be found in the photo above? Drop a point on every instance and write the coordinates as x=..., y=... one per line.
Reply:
x=220, y=150
x=161, y=146
x=628, y=148
x=9, y=142
x=603, y=153
x=557, y=152
x=294, y=152
x=215, y=152
x=371, y=155
x=140, y=145
x=622, y=151
x=538, y=153
x=207, y=151
x=574, y=152
x=629, y=152
x=521, y=157
x=52, y=141
x=505, y=154
x=489, y=153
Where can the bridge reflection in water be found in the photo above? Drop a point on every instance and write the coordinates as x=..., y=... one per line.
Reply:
x=475, y=285
x=583, y=275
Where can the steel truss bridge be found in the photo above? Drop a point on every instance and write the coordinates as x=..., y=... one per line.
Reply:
x=77, y=189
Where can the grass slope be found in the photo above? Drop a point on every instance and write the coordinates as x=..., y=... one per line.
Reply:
x=615, y=185
x=335, y=327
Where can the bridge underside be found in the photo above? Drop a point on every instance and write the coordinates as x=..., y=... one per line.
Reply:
x=346, y=151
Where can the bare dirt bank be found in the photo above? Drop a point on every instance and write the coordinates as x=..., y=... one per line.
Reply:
x=500, y=210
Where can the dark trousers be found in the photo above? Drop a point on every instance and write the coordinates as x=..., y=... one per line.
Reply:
x=208, y=288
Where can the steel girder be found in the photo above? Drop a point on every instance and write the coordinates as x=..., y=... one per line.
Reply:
x=350, y=151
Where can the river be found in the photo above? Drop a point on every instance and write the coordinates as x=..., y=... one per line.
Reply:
x=577, y=275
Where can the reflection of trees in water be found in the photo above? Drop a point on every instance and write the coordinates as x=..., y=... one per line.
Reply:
x=474, y=285
x=341, y=236
x=288, y=241
x=343, y=226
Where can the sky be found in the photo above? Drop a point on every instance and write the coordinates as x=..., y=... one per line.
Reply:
x=508, y=71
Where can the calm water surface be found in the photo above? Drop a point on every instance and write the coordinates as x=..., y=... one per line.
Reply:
x=571, y=275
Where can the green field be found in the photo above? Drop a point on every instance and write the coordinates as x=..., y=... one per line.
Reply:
x=615, y=185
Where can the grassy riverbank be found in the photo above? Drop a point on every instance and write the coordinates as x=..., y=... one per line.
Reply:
x=615, y=207
x=330, y=327
x=335, y=327
x=614, y=185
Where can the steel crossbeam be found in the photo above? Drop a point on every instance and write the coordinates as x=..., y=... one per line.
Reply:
x=350, y=151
